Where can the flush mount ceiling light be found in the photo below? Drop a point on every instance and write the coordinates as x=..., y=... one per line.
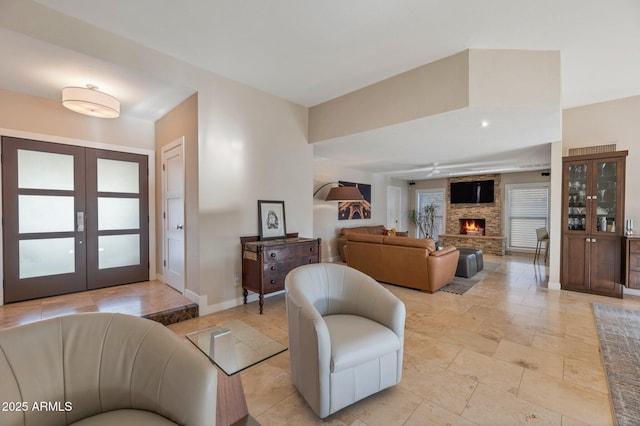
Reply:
x=90, y=101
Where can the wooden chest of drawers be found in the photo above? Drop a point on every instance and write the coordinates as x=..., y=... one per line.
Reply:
x=632, y=264
x=265, y=264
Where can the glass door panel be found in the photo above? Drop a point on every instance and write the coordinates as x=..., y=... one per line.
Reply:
x=51, y=256
x=45, y=170
x=118, y=176
x=59, y=213
x=118, y=213
x=115, y=251
x=577, y=197
x=606, y=190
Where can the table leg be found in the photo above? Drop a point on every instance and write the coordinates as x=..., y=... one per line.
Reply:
x=231, y=403
x=245, y=292
x=261, y=302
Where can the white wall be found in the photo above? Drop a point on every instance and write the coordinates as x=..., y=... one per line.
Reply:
x=325, y=213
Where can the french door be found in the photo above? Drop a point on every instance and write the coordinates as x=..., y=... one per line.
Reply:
x=75, y=218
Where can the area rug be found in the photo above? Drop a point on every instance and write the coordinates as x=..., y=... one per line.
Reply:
x=619, y=334
x=461, y=285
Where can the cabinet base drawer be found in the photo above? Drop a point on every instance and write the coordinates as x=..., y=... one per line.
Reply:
x=634, y=280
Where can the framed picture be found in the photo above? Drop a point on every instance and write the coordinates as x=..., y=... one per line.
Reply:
x=271, y=220
x=348, y=210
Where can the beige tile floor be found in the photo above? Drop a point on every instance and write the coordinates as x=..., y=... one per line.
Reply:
x=507, y=352
x=138, y=299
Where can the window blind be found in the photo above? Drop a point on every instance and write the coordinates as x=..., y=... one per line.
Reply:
x=527, y=210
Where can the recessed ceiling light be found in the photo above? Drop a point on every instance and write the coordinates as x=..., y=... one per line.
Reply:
x=484, y=123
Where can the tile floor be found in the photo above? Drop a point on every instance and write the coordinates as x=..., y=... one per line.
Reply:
x=138, y=299
x=507, y=352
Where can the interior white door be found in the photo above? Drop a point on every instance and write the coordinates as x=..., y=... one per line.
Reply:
x=173, y=215
x=394, y=208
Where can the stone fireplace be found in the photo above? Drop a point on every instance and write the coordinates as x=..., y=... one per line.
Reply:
x=472, y=226
x=477, y=226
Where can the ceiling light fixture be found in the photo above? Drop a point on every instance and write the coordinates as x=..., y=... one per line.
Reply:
x=90, y=101
x=484, y=123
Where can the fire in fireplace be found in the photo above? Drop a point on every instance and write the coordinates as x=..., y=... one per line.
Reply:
x=472, y=226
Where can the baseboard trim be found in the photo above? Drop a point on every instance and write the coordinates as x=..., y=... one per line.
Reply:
x=554, y=286
x=211, y=309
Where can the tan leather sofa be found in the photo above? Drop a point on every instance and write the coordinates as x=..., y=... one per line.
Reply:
x=346, y=335
x=367, y=230
x=103, y=369
x=409, y=262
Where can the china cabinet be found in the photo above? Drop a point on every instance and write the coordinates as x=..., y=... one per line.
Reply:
x=592, y=223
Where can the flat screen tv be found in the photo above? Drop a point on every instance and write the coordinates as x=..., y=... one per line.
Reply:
x=479, y=191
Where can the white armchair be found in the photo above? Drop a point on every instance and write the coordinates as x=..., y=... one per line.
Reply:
x=346, y=335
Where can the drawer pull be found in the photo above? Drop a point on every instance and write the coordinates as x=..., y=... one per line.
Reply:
x=272, y=254
x=273, y=281
x=310, y=260
x=273, y=268
x=312, y=249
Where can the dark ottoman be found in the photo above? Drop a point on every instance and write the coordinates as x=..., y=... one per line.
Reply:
x=478, y=253
x=467, y=265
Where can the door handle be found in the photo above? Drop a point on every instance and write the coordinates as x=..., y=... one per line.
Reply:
x=179, y=226
x=80, y=221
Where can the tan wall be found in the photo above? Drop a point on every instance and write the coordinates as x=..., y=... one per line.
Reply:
x=431, y=89
x=525, y=78
x=180, y=122
x=35, y=115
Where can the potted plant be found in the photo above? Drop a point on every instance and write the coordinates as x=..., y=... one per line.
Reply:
x=425, y=220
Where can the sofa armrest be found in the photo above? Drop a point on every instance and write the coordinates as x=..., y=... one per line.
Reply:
x=442, y=268
x=402, y=233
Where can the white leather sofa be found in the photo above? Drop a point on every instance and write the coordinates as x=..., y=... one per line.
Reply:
x=346, y=335
x=103, y=369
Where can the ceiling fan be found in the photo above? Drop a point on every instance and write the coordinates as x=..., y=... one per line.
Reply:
x=434, y=170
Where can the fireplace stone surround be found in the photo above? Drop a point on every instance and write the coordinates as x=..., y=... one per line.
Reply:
x=492, y=241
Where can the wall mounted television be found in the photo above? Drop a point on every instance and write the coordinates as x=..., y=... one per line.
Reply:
x=474, y=192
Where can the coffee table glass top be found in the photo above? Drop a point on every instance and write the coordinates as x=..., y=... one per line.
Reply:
x=234, y=346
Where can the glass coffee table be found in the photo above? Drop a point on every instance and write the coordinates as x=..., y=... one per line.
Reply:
x=234, y=346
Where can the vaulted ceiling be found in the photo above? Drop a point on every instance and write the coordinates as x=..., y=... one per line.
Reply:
x=313, y=51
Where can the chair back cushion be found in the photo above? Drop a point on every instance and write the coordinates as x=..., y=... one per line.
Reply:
x=99, y=362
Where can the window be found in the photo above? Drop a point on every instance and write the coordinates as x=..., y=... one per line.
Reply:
x=436, y=196
x=527, y=210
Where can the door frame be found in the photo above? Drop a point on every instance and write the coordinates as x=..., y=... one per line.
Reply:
x=175, y=144
x=151, y=155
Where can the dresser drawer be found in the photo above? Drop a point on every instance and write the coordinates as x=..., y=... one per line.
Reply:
x=280, y=254
x=634, y=246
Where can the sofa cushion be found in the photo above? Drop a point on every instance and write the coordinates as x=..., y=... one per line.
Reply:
x=371, y=230
x=125, y=417
x=365, y=238
x=423, y=243
x=356, y=340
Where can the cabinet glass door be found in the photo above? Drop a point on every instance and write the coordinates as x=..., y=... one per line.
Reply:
x=577, y=197
x=606, y=196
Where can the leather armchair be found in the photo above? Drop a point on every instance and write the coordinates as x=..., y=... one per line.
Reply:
x=346, y=335
x=103, y=369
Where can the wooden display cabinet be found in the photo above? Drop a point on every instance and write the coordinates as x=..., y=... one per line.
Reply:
x=592, y=223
